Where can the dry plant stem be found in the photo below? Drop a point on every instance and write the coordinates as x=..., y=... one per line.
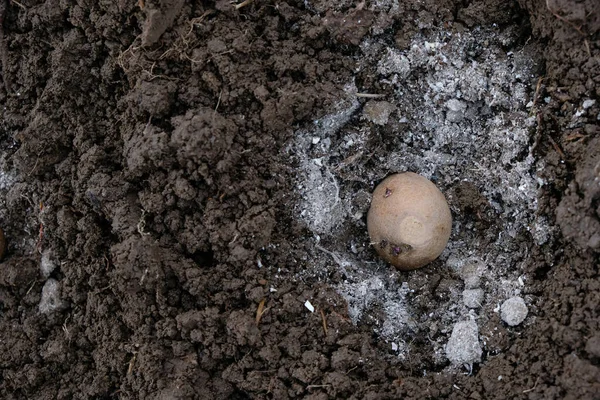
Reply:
x=260, y=310
x=577, y=28
x=31, y=287
x=198, y=20
x=3, y=47
x=587, y=47
x=538, y=134
x=19, y=4
x=537, y=90
x=324, y=321
x=370, y=95
x=563, y=19
x=534, y=386
x=183, y=42
x=218, y=101
x=243, y=4
x=557, y=148
x=130, y=50
x=131, y=364
x=343, y=264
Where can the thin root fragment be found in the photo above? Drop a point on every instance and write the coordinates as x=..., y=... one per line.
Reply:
x=324, y=320
x=370, y=95
x=243, y=4
x=260, y=310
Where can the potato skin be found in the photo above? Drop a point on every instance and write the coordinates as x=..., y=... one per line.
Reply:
x=409, y=221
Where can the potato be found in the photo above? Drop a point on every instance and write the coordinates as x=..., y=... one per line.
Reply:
x=409, y=221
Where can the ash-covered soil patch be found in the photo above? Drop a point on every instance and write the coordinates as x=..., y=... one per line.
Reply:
x=456, y=107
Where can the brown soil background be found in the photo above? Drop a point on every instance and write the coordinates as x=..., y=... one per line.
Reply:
x=108, y=116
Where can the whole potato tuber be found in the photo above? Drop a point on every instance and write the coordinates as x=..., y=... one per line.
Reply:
x=409, y=221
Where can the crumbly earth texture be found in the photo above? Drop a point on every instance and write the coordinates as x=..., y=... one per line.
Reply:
x=184, y=187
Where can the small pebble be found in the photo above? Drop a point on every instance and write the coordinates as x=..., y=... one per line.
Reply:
x=50, y=300
x=470, y=275
x=456, y=110
x=463, y=346
x=456, y=105
x=472, y=281
x=473, y=298
x=378, y=112
x=588, y=103
x=513, y=311
x=47, y=265
x=309, y=306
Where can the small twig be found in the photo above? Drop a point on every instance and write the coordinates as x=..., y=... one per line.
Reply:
x=129, y=50
x=335, y=257
x=260, y=310
x=141, y=225
x=66, y=330
x=217, y=106
x=19, y=4
x=131, y=363
x=574, y=136
x=563, y=19
x=32, y=285
x=537, y=90
x=154, y=76
x=324, y=321
x=219, y=100
x=534, y=386
x=243, y=4
x=348, y=161
x=351, y=369
x=190, y=59
x=557, y=148
x=34, y=165
x=316, y=386
x=587, y=47
x=370, y=95
x=198, y=20
x=103, y=289
x=31, y=204
x=143, y=276
x=342, y=317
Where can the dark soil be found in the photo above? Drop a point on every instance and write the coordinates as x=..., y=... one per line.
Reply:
x=144, y=174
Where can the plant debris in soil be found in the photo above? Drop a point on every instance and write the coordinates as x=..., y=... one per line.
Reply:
x=458, y=114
